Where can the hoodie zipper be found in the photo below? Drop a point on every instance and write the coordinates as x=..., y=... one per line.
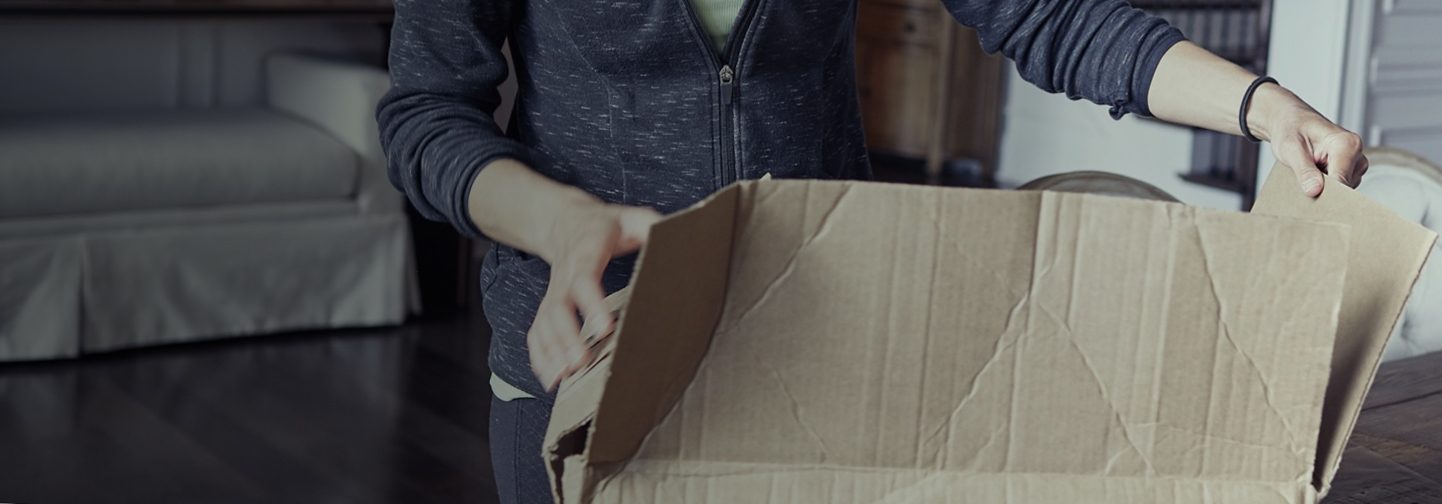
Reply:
x=726, y=69
x=730, y=170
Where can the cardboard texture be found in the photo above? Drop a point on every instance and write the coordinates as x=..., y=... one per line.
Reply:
x=806, y=341
x=1386, y=258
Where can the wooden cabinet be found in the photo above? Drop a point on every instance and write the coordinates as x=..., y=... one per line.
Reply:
x=928, y=92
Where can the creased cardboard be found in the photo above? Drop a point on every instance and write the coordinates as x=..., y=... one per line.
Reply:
x=1386, y=257
x=805, y=341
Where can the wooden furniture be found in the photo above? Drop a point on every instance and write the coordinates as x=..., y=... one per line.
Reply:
x=1395, y=455
x=928, y=92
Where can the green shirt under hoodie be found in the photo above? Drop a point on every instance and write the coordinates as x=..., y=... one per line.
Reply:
x=717, y=17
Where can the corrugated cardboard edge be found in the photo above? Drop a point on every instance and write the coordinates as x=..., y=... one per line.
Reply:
x=662, y=335
x=1378, y=235
x=684, y=481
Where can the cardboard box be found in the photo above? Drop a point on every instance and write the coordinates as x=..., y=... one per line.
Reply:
x=805, y=341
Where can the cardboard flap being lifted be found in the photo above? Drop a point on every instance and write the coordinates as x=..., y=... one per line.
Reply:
x=1387, y=255
x=675, y=297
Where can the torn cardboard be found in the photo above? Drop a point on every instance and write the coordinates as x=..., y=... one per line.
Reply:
x=805, y=341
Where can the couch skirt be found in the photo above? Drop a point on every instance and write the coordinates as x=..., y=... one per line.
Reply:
x=75, y=293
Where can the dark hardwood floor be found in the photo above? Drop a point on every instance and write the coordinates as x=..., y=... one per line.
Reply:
x=379, y=415
x=400, y=415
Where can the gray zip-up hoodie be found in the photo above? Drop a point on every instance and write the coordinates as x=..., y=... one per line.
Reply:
x=627, y=100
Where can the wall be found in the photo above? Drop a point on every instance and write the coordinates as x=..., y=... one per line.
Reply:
x=1044, y=134
x=1308, y=55
x=1402, y=102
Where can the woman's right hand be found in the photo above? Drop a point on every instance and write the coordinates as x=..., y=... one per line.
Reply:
x=574, y=232
x=580, y=243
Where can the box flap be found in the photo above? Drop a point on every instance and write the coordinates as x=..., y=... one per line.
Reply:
x=1032, y=344
x=1387, y=254
x=675, y=298
x=577, y=398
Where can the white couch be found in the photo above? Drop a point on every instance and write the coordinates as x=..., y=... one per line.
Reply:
x=1412, y=187
x=229, y=209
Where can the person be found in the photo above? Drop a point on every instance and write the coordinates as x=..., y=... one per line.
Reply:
x=630, y=109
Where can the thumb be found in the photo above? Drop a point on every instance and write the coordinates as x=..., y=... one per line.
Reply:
x=636, y=226
x=1298, y=156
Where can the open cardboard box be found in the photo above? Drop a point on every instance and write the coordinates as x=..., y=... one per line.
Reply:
x=803, y=341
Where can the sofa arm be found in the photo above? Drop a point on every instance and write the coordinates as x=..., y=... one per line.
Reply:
x=340, y=98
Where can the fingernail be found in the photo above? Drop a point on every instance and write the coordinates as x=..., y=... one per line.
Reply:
x=1311, y=185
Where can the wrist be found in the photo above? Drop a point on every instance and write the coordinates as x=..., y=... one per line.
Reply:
x=1268, y=103
x=558, y=214
x=516, y=206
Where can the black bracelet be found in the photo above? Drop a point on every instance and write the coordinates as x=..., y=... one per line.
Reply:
x=1247, y=103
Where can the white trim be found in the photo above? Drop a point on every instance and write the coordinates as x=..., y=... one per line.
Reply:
x=1357, y=76
x=1412, y=6
x=1309, y=39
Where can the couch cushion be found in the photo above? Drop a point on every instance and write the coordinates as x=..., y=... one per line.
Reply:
x=86, y=163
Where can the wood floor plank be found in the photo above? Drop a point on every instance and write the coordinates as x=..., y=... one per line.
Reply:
x=1406, y=379
x=1367, y=477
x=389, y=415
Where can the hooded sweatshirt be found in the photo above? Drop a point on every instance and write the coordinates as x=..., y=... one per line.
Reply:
x=630, y=101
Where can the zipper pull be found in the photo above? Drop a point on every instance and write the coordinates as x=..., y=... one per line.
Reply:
x=728, y=90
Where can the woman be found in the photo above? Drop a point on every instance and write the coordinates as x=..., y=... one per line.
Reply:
x=629, y=109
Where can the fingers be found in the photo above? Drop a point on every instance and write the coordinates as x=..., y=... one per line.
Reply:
x=556, y=350
x=556, y=334
x=635, y=226
x=1341, y=150
x=1294, y=153
x=582, y=285
x=592, y=301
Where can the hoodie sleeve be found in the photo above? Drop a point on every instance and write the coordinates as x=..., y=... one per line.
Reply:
x=1103, y=50
x=436, y=121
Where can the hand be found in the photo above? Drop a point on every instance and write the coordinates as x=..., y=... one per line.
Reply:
x=582, y=240
x=1305, y=141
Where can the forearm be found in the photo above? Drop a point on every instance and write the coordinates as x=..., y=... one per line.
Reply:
x=1194, y=87
x=516, y=206
x=436, y=121
x=1197, y=88
x=1105, y=51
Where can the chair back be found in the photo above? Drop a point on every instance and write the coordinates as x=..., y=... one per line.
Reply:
x=1412, y=186
x=1095, y=182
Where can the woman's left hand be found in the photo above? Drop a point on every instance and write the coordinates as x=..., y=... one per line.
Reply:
x=1304, y=141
